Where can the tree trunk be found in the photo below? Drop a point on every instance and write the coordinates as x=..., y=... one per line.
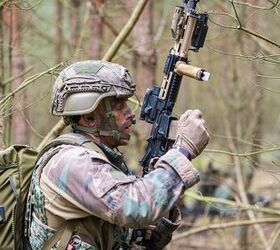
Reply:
x=19, y=116
x=75, y=23
x=7, y=87
x=58, y=41
x=146, y=61
x=256, y=110
x=1, y=52
x=97, y=7
x=249, y=128
x=144, y=65
x=2, y=146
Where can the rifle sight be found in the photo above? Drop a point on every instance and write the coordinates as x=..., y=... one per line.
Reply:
x=200, y=31
x=190, y=4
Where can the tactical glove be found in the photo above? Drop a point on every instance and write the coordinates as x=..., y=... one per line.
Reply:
x=192, y=135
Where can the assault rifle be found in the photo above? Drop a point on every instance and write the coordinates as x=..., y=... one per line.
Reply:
x=188, y=29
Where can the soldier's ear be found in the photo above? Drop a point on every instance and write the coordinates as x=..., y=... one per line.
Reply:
x=87, y=120
x=91, y=121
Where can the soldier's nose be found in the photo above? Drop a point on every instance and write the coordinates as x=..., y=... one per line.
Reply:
x=133, y=121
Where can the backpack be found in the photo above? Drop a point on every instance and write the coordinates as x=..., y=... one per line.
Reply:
x=16, y=167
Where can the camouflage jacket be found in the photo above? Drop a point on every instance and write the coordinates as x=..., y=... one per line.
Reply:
x=109, y=202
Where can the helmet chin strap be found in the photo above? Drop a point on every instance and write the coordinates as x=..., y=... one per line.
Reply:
x=115, y=133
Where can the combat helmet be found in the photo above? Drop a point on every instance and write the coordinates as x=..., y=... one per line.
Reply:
x=80, y=87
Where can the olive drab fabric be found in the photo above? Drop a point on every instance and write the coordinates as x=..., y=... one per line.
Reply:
x=16, y=165
x=80, y=87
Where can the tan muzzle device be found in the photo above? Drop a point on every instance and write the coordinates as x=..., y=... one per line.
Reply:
x=197, y=73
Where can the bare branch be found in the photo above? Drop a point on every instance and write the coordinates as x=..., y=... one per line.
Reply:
x=274, y=237
x=28, y=7
x=125, y=31
x=242, y=154
x=240, y=27
x=232, y=204
x=224, y=226
x=273, y=5
x=17, y=76
x=28, y=81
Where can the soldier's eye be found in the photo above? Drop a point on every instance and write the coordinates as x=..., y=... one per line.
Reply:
x=118, y=106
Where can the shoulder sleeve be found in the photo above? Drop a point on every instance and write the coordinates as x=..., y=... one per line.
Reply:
x=100, y=189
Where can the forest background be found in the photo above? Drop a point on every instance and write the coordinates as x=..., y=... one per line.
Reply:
x=236, y=205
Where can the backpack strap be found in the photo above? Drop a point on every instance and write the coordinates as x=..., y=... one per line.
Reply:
x=76, y=139
x=64, y=234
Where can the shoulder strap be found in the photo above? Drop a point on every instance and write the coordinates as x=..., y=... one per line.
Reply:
x=72, y=139
x=63, y=235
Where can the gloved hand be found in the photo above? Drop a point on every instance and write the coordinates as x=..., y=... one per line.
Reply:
x=192, y=134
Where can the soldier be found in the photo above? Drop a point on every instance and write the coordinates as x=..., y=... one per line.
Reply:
x=83, y=195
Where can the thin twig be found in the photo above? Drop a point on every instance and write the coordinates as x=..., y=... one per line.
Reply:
x=125, y=31
x=10, y=79
x=28, y=81
x=224, y=226
x=274, y=237
x=232, y=204
x=257, y=6
x=242, y=154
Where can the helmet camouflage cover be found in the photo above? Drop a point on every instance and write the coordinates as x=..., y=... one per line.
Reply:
x=80, y=87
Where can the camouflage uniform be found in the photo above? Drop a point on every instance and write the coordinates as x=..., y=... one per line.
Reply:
x=79, y=183
x=92, y=185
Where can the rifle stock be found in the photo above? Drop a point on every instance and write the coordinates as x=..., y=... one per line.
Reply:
x=189, y=30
